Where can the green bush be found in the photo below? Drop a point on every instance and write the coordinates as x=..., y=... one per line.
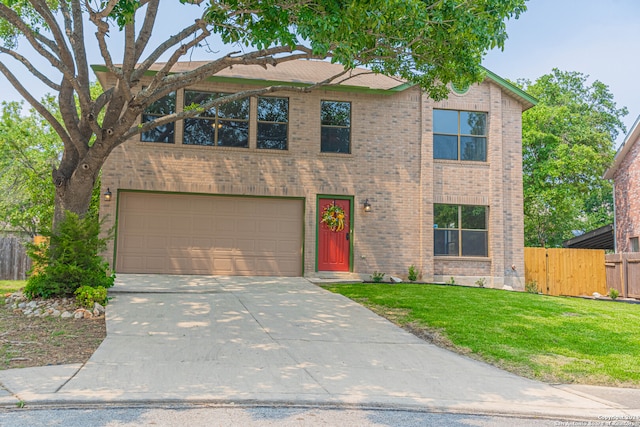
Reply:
x=86, y=296
x=70, y=260
x=613, y=293
x=377, y=276
x=413, y=273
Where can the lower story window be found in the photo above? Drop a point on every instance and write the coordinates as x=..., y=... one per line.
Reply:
x=635, y=246
x=460, y=230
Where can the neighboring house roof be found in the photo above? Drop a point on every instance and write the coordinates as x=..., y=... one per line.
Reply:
x=600, y=238
x=308, y=72
x=629, y=141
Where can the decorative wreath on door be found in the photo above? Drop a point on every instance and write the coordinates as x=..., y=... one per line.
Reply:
x=333, y=217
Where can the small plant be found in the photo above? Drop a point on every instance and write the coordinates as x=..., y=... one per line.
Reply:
x=531, y=287
x=86, y=296
x=613, y=293
x=451, y=281
x=481, y=282
x=377, y=277
x=413, y=273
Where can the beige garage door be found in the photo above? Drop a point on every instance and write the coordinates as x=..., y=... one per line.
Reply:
x=188, y=234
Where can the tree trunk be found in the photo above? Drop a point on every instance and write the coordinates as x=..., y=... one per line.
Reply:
x=73, y=195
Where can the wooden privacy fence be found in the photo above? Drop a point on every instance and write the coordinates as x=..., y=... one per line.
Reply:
x=14, y=262
x=572, y=272
x=623, y=273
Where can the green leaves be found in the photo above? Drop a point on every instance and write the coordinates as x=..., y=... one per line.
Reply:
x=567, y=146
x=28, y=149
x=427, y=42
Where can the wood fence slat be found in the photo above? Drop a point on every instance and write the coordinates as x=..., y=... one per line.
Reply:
x=14, y=262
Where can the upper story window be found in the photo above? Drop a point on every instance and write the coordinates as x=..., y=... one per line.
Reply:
x=635, y=245
x=460, y=230
x=164, y=133
x=273, y=119
x=226, y=125
x=460, y=135
x=335, y=133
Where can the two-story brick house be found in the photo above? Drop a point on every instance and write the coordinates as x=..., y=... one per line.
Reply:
x=370, y=175
x=625, y=173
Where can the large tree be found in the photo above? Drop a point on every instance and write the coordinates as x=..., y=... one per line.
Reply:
x=429, y=42
x=568, y=143
x=28, y=148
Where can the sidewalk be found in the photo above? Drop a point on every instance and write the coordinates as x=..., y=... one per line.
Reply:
x=285, y=342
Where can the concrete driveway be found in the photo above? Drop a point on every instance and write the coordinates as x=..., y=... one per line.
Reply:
x=287, y=341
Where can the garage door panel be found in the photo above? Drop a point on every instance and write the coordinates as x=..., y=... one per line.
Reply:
x=223, y=265
x=245, y=246
x=191, y=234
x=265, y=247
x=181, y=242
x=155, y=242
x=245, y=226
x=290, y=247
x=202, y=243
x=223, y=245
x=180, y=225
x=224, y=225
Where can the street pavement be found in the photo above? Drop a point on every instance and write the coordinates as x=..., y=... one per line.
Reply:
x=285, y=342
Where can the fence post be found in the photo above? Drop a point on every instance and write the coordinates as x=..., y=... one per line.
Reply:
x=625, y=276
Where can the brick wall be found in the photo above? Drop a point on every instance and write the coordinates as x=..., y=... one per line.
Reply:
x=627, y=198
x=391, y=164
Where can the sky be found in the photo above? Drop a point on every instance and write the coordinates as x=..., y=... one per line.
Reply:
x=599, y=38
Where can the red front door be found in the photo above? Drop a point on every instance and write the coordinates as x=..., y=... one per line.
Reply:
x=333, y=235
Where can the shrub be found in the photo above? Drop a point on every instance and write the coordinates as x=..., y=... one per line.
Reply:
x=531, y=287
x=413, y=273
x=377, y=277
x=86, y=296
x=481, y=282
x=613, y=293
x=70, y=260
x=451, y=281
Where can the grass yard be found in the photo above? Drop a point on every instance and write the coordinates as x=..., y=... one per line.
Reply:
x=552, y=339
x=10, y=286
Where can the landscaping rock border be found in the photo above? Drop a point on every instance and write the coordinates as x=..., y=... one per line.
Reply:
x=65, y=308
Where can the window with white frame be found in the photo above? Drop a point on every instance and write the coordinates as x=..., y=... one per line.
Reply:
x=460, y=135
x=460, y=230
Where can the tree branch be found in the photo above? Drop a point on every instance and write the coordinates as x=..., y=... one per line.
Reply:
x=171, y=118
x=65, y=55
x=160, y=50
x=34, y=38
x=60, y=130
x=147, y=28
x=29, y=66
x=100, y=15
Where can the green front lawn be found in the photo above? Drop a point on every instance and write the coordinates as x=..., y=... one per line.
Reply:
x=10, y=286
x=553, y=339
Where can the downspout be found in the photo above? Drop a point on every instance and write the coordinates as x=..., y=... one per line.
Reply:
x=615, y=219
